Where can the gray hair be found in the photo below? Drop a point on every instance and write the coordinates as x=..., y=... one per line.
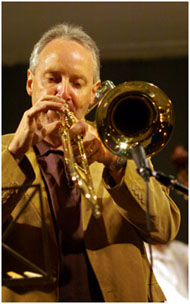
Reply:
x=67, y=32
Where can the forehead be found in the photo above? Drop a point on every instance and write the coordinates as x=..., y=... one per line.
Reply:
x=67, y=53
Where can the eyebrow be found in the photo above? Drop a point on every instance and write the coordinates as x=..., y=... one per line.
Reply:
x=74, y=76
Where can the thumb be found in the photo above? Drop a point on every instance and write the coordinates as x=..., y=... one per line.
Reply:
x=79, y=128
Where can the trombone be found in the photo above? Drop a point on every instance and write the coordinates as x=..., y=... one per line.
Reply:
x=131, y=113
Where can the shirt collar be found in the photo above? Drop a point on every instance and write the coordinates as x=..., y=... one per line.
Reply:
x=44, y=148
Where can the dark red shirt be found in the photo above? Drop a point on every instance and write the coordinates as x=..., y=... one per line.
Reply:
x=77, y=282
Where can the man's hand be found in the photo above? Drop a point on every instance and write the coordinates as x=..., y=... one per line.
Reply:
x=37, y=123
x=95, y=149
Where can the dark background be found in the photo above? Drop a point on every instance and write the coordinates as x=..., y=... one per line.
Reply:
x=169, y=71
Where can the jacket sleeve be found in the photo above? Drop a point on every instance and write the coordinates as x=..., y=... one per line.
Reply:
x=130, y=200
x=15, y=178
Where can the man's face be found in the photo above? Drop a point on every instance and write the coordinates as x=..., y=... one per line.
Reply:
x=65, y=69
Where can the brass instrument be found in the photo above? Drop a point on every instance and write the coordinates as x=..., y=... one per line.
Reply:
x=131, y=113
x=80, y=175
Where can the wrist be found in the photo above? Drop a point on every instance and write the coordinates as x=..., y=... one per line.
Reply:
x=15, y=153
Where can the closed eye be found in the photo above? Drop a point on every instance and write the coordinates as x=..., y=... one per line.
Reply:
x=78, y=83
x=52, y=78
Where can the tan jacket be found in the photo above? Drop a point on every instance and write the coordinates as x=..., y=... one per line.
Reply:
x=114, y=243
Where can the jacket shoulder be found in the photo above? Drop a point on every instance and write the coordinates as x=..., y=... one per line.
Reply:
x=6, y=138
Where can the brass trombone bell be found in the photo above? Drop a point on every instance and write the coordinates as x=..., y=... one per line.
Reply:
x=132, y=113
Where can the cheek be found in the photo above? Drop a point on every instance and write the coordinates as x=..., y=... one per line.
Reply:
x=82, y=99
x=39, y=91
x=81, y=104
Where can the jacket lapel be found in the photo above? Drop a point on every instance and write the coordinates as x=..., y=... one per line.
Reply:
x=96, y=170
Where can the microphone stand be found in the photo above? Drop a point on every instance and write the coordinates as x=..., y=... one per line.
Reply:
x=169, y=181
x=139, y=156
x=143, y=168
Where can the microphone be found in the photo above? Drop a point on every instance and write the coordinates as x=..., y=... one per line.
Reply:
x=139, y=156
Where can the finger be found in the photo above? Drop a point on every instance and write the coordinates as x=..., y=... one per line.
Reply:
x=54, y=98
x=91, y=147
x=79, y=128
x=39, y=125
x=43, y=131
x=44, y=107
x=49, y=128
x=90, y=151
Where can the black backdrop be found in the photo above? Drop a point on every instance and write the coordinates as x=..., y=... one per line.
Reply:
x=170, y=75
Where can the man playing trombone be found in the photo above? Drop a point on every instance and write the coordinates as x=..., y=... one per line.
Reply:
x=93, y=259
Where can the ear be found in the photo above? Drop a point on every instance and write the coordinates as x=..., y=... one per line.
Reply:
x=29, y=82
x=94, y=90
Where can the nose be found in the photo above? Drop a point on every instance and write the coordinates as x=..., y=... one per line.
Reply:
x=63, y=90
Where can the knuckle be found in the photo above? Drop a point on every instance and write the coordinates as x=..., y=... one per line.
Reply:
x=43, y=132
